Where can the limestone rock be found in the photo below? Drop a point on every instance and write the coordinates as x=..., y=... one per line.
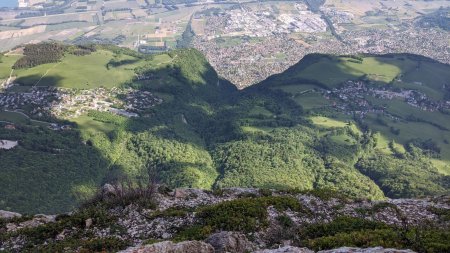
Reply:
x=365, y=250
x=170, y=247
x=187, y=193
x=230, y=242
x=286, y=249
x=38, y=219
x=180, y=193
x=44, y=218
x=88, y=223
x=109, y=190
x=193, y=247
x=9, y=215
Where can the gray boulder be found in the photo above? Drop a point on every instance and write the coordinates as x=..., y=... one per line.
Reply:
x=109, y=190
x=9, y=215
x=286, y=249
x=366, y=250
x=230, y=242
x=170, y=247
x=38, y=219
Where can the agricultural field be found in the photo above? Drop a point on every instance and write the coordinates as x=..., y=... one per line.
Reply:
x=364, y=16
x=118, y=22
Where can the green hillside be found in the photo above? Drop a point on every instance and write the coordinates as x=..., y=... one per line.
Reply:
x=282, y=133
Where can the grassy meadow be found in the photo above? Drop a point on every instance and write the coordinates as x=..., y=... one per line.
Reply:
x=6, y=63
x=330, y=71
x=78, y=72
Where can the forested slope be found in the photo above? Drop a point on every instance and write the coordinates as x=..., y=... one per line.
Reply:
x=207, y=134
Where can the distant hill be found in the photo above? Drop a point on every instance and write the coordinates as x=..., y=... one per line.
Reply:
x=296, y=130
x=439, y=18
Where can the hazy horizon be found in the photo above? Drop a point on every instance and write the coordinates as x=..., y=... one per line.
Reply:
x=9, y=3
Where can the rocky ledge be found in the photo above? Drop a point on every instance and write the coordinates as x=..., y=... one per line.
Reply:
x=202, y=247
x=234, y=220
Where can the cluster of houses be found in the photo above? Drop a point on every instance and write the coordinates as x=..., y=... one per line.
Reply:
x=352, y=98
x=68, y=103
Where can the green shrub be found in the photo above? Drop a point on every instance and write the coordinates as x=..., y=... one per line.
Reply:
x=237, y=215
x=247, y=214
x=285, y=221
x=357, y=232
x=342, y=224
x=108, y=244
x=196, y=232
x=38, y=235
x=443, y=214
x=365, y=238
x=169, y=212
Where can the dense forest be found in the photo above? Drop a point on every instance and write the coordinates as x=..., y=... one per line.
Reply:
x=42, y=53
x=207, y=134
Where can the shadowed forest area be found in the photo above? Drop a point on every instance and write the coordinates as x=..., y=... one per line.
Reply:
x=278, y=134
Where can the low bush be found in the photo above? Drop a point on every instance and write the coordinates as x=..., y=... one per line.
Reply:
x=245, y=215
x=357, y=232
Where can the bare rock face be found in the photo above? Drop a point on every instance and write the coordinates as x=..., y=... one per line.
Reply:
x=9, y=215
x=170, y=247
x=286, y=249
x=88, y=223
x=109, y=190
x=38, y=219
x=366, y=250
x=225, y=241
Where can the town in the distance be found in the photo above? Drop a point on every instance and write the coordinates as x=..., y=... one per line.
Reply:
x=245, y=41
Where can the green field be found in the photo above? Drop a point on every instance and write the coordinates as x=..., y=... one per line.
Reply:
x=297, y=89
x=376, y=69
x=412, y=130
x=428, y=78
x=403, y=110
x=6, y=63
x=18, y=118
x=327, y=123
x=383, y=145
x=331, y=71
x=87, y=123
x=13, y=117
x=258, y=110
x=102, y=68
x=80, y=72
x=312, y=100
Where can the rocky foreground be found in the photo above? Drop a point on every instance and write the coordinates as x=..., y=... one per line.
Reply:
x=233, y=220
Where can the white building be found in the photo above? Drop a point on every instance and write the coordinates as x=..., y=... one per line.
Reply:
x=6, y=144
